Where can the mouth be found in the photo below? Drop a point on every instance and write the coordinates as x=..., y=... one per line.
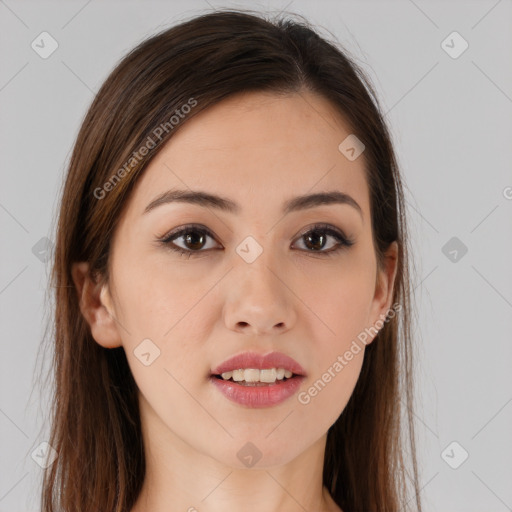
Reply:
x=255, y=380
x=254, y=377
x=257, y=394
x=255, y=367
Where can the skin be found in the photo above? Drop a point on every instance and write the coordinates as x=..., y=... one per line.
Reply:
x=259, y=150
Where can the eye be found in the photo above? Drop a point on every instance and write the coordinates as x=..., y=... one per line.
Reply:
x=316, y=239
x=193, y=238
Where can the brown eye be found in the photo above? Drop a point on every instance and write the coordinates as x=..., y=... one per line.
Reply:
x=193, y=239
x=317, y=239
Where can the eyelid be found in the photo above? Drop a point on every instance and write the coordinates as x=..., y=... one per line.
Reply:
x=180, y=231
x=185, y=227
x=328, y=228
x=343, y=240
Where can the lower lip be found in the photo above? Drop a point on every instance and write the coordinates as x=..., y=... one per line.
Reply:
x=258, y=396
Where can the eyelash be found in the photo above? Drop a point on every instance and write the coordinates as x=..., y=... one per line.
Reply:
x=166, y=240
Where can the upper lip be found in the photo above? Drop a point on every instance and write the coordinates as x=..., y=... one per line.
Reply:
x=259, y=361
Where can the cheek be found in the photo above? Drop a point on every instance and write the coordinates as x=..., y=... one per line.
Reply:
x=156, y=302
x=341, y=304
x=341, y=301
x=168, y=315
x=327, y=394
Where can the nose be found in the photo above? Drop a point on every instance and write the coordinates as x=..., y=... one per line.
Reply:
x=259, y=301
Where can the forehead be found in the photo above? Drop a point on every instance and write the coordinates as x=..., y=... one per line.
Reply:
x=258, y=148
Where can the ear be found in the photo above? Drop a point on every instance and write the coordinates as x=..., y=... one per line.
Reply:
x=384, y=286
x=96, y=306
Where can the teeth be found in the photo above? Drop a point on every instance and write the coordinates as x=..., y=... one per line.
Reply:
x=254, y=375
x=238, y=375
x=268, y=375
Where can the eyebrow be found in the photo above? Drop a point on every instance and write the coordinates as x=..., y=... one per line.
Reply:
x=206, y=200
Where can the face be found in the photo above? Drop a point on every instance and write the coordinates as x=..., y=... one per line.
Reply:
x=251, y=278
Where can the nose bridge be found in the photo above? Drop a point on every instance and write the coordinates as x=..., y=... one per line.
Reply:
x=258, y=276
x=257, y=297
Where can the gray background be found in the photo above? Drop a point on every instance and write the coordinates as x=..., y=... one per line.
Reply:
x=452, y=126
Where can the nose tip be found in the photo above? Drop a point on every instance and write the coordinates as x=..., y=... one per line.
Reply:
x=259, y=303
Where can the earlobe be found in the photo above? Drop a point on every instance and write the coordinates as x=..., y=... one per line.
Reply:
x=96, y=306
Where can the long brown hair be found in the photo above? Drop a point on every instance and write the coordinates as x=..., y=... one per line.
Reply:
x=95, y=424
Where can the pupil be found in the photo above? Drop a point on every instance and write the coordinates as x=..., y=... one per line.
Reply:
x=195, y=244
x=315, y=236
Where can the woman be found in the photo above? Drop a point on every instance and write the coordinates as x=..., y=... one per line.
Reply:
x=232, y=322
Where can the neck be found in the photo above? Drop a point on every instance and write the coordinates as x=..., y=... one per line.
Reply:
x=182, y=478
